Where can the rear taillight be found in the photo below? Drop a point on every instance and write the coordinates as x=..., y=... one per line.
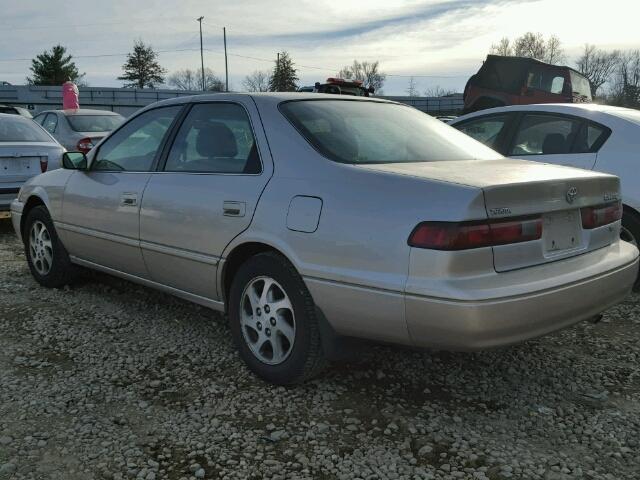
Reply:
x=467, y=235
x=84, y=145
x=593, y=217
x=43, y=165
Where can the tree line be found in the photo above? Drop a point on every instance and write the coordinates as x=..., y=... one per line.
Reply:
x=614, y=75
x=143, y=70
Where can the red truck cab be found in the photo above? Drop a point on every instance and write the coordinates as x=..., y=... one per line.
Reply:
x=505, y=81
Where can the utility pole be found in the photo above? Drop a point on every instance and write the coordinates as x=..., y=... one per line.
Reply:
x=277, y=82
x=201, y=52
x=226, y=66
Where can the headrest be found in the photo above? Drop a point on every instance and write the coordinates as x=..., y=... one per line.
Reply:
x=554, y=143
x=215, y=139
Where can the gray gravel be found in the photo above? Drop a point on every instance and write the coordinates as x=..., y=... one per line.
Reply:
x=109, y=380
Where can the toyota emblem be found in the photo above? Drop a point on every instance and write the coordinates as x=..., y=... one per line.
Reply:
x=572, y=193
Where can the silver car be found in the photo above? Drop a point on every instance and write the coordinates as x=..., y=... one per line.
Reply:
x=78, y=130
x=311, y=220
x=26, y=150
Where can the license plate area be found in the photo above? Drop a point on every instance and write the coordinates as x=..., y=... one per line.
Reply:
x=11, y=166
x=561, y=231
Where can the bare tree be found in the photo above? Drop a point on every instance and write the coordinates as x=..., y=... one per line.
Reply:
x=258, y=81
x=412, y=88
x=626, y=87
x=598, y=66
x=555, y=52
x=531, y=45
x=369, y=73
x=438, y=91
x=188, y=79
x=502, y=48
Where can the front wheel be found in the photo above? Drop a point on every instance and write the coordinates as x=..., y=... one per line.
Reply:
x=47, y=258
x=273, y=321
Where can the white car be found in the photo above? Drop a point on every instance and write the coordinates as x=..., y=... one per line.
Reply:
x=589, y=136
x=26, y=150
x=78, y=130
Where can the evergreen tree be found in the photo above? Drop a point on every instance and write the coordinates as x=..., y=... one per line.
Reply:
x=284, y=76
x=142, y=68
x=53, y=68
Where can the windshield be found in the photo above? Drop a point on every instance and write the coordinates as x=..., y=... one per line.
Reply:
x=94, y=123
x=371, y=132
x=580, y=86
x=20, y=129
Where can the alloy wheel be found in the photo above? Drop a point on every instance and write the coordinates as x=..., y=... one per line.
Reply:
x=267, y=320
x=40, y=248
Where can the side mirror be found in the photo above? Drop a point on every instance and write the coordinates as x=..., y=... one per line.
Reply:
x=74, y=161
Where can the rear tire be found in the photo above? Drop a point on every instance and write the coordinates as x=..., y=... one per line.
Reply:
x=47, y=258
x=273, y=321
x=630, y=232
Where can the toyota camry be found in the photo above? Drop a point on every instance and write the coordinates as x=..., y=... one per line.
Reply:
x=312, y=218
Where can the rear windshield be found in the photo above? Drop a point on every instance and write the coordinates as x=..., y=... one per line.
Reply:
x=580, y=86
x=94, y=123
x=370, y=132
x=19, y=129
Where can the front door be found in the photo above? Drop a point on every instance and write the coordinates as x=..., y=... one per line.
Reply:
x=100, y=213
x=204, y=194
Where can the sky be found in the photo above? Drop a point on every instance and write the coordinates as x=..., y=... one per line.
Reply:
x=438, y=42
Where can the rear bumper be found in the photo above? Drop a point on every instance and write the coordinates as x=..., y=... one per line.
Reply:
x=484, y=323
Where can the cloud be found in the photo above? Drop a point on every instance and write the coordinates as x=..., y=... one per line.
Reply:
x=426, y=38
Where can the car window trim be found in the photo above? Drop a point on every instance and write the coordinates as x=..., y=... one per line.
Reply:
x=162, y=161
x=524, y=113
x=153, y=165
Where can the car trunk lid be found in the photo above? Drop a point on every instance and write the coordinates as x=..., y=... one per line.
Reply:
x=516, y=188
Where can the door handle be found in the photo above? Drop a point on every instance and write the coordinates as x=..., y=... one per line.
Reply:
x=233, y=209
x=129, y=199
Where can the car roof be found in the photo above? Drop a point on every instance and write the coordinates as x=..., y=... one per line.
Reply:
x=80, y=111
x=275, y=97
x=591, y=110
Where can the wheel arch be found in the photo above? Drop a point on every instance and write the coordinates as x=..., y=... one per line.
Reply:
x=33, y=201
x=238, y=255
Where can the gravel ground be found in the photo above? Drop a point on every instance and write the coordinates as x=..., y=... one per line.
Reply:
x=109, y=380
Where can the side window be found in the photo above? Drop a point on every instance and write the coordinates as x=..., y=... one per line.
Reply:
x=50, y=122
x=545, y=79
x=134, y=147
x=215, y=138
x=590, y=138
x=545, y=135
x=39, y=118
x=485, y=129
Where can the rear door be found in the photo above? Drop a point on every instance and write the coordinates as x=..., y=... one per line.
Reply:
x=100, y=213
x=204, y=194
x=556, y=138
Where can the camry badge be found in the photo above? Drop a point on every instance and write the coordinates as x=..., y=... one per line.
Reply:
x=572, y=193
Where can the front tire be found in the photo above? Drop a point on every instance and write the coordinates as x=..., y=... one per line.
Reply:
x=47, y=258
x=273, y=322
